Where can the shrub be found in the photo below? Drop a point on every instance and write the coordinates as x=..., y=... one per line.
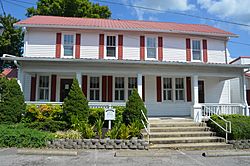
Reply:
x=124, y=132
x=240, y=126
x=49, y=125
x=99, y=124
x=133, y=109
x=70, y=134
x=42, y=113
x=95, y=114
x=76, y=104
x=19, y=136
x=114, y=132
x=87, y=130
x=12, y=101
x=135, y=129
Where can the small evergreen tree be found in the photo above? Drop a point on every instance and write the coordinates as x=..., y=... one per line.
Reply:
x=133, y=108
x=75, y=105
x=12, y=104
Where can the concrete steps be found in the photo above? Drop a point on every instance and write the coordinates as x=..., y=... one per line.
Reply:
x=182, y=133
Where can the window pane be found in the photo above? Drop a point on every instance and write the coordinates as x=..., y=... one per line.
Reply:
x=97, y=95
x=169, y=94
x=68, y=50
x=196, y=49
x=116, y=95
x=151, y=42
x=91, y=96
x=68, y=39
x=151, y=52
x=179, y=83
x=196, y=55
x=41, y=92
x=111, y=41
x=132, y=82
x=94, y=82
x=119, y=82
x=111, y=52
x=122, y=95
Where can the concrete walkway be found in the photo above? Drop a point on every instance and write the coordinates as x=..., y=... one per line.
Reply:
x=9, y=157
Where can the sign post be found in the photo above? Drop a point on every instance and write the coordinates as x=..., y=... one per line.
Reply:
x=109, y=115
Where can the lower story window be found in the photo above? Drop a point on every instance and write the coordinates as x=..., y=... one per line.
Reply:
x=94, y=90
x=179, y=88
x=43, y=88
x=132, y=83
x=167, y=89
x=119, y=88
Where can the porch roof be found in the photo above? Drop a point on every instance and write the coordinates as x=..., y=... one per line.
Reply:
x=115, y=61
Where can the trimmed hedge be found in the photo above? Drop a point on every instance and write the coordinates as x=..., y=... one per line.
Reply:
x=19, y=136
x=49, y=125
x=240, y=126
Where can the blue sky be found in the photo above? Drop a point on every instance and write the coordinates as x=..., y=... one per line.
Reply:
x=229, y=10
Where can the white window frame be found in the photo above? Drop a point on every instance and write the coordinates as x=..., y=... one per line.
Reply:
x=120, y=89
x=131, y=89
x=38, y=88
x=62, y=45
x=168, y=89
x=184, y=89
x=201, y=44
x=105, y=46
x=146, y=47
x=100, y=88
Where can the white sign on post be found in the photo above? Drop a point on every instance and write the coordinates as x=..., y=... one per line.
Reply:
x=109, y=115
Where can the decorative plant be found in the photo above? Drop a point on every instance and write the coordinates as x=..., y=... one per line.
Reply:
x=114, y=132
x=99, y=124
x=71, y=134
x=135, y=128
x=124, y=132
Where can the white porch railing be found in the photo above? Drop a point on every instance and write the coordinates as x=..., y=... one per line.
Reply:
x=146, y=126
x=91, y=104
x=226, y=109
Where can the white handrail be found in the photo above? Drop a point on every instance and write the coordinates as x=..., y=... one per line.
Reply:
x=211, y=112
x=147, y=128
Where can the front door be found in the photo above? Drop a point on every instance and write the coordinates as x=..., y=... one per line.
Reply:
x=201, y=91
x=65, y=86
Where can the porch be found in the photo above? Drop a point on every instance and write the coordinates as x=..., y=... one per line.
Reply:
x=167, y=89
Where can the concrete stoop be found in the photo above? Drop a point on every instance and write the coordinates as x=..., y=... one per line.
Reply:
x=171, y=133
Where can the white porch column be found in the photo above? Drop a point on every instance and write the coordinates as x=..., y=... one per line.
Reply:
x=20, y=78
x=243, y=97
x=139, y=84
x=196, y=111
x=79, y=78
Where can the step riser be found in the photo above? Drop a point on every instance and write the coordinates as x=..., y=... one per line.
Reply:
x=216, y=147
x=177, y=130
x=186, y=141
x=177, y=125
x=179, y=135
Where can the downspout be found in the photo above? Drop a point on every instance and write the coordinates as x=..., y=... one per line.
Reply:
x=225, y=47
x=19, y=74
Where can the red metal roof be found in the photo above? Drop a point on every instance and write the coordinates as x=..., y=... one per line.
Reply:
x=126, y=25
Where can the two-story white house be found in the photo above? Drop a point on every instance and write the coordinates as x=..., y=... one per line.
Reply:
x=177, y=68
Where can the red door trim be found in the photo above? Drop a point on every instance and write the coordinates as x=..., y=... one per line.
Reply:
x=53, y=88
x=188, y=91
x=33, y=89
x=158, y=89
x=85, y=85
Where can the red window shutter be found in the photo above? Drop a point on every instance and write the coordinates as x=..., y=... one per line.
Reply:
x=204, y=43
x=160, y=48
x=188, y=50
x=158, y=88
x=33, y=89
x=78, y=45
x=53, y=88
x=188, y=90
x=142, y=48
x=58, y=44
x=143, y=88
x=104, y=88
x=120, y=47
x=110, y=88
x=101, y=46
x=85, y=85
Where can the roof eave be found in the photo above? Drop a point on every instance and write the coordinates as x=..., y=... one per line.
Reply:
x=124, y=29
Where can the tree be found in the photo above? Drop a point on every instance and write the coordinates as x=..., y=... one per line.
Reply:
x=69, y=8
x=75, y=106
x=11, y=41
x=133, y=109
x=12, y=104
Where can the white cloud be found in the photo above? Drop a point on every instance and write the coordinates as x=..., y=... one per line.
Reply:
x=238, y=10
x=173, y=5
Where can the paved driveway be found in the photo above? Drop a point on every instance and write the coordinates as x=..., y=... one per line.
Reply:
x=9, y=157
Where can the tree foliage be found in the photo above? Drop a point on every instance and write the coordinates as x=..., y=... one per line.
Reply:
x=133, y=109
x=11, y=41
x=12, y=104
x=75, y=106
x=69, y=8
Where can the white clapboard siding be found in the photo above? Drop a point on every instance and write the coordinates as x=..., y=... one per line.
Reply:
x=41, y=44
x=89, y=45
x=174, y=49
x=216, y=51
x=27, y=86
x=131, y=47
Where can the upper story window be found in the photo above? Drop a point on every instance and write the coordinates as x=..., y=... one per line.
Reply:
x=132, y=83
x=179, y=89
x=151, y=47
x=196, y=50
x=119, y=88
x=94, y=89
x=68, y=45
x=43, y=88
x=167, y=89
x=111, y=46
